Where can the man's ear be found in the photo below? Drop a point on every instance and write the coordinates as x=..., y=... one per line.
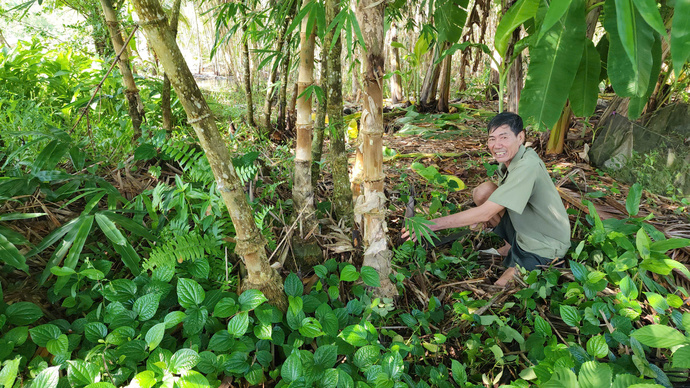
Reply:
x=521, y=137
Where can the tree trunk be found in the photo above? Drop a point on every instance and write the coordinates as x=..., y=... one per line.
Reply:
x=320, y=123
x=371, y=207
x=342, y=195
x=98, y=32
x=559, y=131
x=292, y=108
x=136, y=108
x=305, y=247
x=444, y=95
x=396, y=79
x=3, y=42
x=427, y=98
x=515, y=76
x=246, y=71
x=276, y=62
x=251, y=245
x=166, y=110
x=282, y=99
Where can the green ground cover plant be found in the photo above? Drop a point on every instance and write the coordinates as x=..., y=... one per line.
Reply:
x=140, y=292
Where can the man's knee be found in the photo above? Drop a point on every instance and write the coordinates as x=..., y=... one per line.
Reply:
x=481, y=193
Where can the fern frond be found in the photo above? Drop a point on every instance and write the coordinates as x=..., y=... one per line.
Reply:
x=182, y=248
x=191, y=160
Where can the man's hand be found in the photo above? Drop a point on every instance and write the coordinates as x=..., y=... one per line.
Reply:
x=406, y=235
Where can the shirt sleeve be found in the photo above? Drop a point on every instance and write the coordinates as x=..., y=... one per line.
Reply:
x=515, y=191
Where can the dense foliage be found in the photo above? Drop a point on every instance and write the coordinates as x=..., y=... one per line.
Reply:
x=141, y=292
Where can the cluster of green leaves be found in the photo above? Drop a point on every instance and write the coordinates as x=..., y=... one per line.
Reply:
x=566, y=65
x=168, y=330
x=617, y=254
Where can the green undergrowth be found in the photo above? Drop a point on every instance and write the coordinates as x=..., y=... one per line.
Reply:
x=143, y=291
x=665, y=174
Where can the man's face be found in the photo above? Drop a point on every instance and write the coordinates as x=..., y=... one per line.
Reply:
x=504, y=144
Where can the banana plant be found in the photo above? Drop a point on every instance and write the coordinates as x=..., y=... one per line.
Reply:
x=564, y=63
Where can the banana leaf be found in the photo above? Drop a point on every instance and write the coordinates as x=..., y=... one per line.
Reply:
x=585, y=91
x=680, y=35
x=629, y=78
x=553, y=64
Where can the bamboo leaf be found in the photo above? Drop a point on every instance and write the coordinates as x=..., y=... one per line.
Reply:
x=680, y=35
x=585, y=90
x=130, y=258
x=130, y=225
x=110, y=230
x=11, y=255
x=554, y=63
x=69, y=231
x=80, y=239
x=19, y=216
x=519, y=13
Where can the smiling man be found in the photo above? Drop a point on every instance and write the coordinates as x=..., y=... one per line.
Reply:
x=524, y=208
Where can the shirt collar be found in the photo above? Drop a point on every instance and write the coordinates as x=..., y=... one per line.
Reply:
x=518, y=155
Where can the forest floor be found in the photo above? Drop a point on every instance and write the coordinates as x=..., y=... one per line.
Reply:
x=455, y=144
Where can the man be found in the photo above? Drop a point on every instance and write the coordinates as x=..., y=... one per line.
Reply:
x=535, y=226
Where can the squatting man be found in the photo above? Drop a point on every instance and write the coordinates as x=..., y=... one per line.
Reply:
x=524, y=208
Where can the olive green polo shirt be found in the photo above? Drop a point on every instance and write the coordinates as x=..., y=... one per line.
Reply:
x=525, y=189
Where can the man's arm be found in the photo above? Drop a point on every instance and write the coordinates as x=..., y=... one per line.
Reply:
x=471, y=216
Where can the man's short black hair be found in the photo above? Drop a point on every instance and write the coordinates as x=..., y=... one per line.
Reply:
x=512, y=120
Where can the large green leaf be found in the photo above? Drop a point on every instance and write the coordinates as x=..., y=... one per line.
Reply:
x=292, y=368
x=48, y=378
x=585, y=90
x=183, y=360
x=557, y=8
x=553, y=65
x=681, y=357
x=11, y=255
x=628, y=77
x=23, y=313
x=562, y=377
x=680, y=35
x=659, y=336
x=519, y=13
x=637, y=104
x=9, y=372
x=189, y=293
x=450, y=16
x=626, y=23
x=594, y=375
x=650, y=13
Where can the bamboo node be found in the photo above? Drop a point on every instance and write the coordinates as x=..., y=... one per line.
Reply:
x=153, y=21
x=234, y=186
x=249, y=244
x=197, y=119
